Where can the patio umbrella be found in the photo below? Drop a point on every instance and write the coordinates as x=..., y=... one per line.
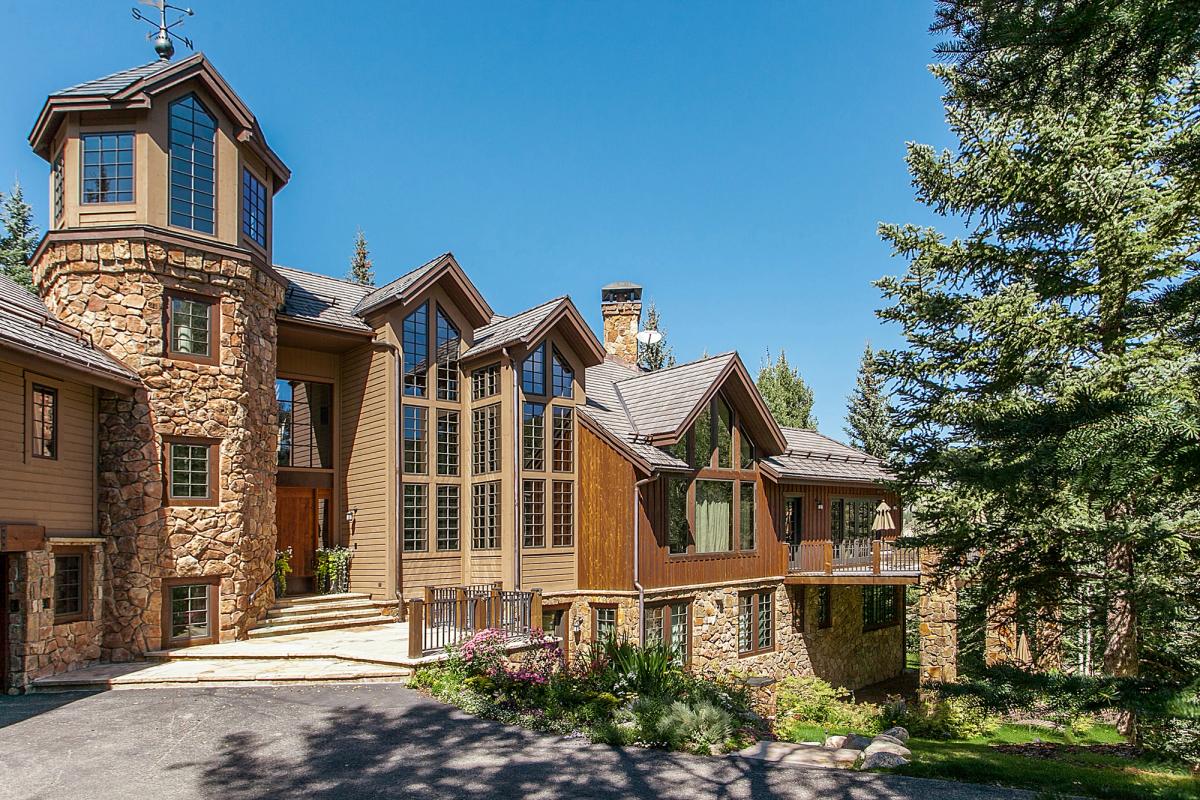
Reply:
x=1023, y=655
x=883, y=518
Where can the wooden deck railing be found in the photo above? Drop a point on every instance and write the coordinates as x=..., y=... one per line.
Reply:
x=446, y=616
x=853, y=557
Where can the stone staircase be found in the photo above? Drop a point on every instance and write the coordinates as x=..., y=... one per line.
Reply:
x=322, y=612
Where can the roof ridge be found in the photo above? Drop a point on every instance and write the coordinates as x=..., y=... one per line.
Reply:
x=346, y=281
x=678, y=366
x=510, y=317
x=380, y=291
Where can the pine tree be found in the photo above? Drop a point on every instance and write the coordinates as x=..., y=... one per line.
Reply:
x=362, y=269
x=19, y=239
x=868, y=417
x=1047, y=402
x=786, y=393
x=659, y=355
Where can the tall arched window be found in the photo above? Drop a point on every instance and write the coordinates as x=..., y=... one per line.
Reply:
x=193, y=160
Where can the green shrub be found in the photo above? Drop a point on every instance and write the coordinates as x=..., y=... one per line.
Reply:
x=650, y=670
x=947, y=718
x=702, y=725
x=809, y=699
x=1173, y=738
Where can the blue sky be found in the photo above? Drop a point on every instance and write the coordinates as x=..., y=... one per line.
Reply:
x=734, y=158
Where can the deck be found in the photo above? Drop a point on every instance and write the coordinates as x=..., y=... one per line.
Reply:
x=850, y=561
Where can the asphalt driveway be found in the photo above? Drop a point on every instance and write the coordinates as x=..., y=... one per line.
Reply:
x=364, y=741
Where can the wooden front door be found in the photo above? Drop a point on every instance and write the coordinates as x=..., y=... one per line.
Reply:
x=302, y=522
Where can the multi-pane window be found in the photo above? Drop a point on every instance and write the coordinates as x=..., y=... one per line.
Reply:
x=415, y=340
x=416, y=440
x=485, y=516
x=850, y=523
x=190, y=612
x=447, y=517
x=485, y=382
x=746, y=515
x=56, y=179
x=107, y=168
x=254, y=208
x=45, y=422
x=190, y=470
x=415, y=517
x=191, y=327
x=533, y=371
x=447, y=442
x=824, y=606
x=756, y=622
x=68, y=586
x=193, y=165
x=562, y=377
x=533, y=446
x=485, y=439
x=880, y=608
x=533, y=505
x=604, y=626
x=563, y=439
x=563, y=514
x=446, y=355
x=305, y=411
x=714, y=516
x=669, y=625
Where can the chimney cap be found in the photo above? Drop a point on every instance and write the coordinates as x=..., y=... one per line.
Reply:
x=620, y=285
x=621, y=292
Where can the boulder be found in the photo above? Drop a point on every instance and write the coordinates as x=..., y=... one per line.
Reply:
x=887, y=747
x=856, y=741
x=897, y=733
x=835, y=742
x=883, y=737
x=883, y=761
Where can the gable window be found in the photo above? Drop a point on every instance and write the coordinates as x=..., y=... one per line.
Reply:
x=415, y=341
x=447, y=442
x=534, y=437
x=747, y=446
x=447, y=345
x=56, y=181
x=447, y=517
x=724, y=420
x=669, y=625
x=714, y=516
x=563, y=434
x=254, y=208
x=485, y=516
x=107, y=168
x=416, y=440
x=485, y=439
x=71, y=591
x=192, y=471
x=533, y=371
x=702, y=448
x=193, y=165
x=880, y=607
x=415, y=518
x=44, y=436
x=192, y=331
x=485, y=382
x=190, y=607
x=533, y=500
x=562, y=377
x=756, y=622
x=564, y=514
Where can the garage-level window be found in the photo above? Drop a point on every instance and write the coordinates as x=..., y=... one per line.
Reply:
x=756, y=622
x=881, y=608
x=670, y=624
x=70, y=587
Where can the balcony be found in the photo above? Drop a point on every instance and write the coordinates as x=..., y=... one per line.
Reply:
x=863, y=560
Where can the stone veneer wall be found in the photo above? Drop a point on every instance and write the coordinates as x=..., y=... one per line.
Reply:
x=37, y=647
x=114, y=290
x=842, y=654
x=938, y=626
x=621, y=322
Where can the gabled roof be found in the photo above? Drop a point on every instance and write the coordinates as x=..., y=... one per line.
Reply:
x=135, y=88
x=530, y=326
x=28, y=327
x=322, y=300
x=607, y=413
x=814, y=456
x=412, y=283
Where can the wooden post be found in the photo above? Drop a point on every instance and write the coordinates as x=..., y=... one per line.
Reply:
x=829, y=558
x=876, y=555
x=429, y=604
x=535, y=610
x=481, y=620
x=497, y=612
x=416, y=628
x=461, y=616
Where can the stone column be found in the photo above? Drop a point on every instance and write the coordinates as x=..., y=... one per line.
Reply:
x=1000, y=633
x=937, y=611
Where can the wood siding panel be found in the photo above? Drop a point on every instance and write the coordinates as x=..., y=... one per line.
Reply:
x=308, y=363
x=421, y=571
x=606, y=482
x=485, y=568
x=817, y=522
x=59, y=494
x=550, y=572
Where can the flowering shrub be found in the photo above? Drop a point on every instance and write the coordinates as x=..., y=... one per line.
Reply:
x=483, y=654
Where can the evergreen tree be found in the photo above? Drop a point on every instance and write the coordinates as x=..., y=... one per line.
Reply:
x=1046, y=397
x=362, y=269
x=786, y=393
x=868, y=416
x=19, y=239
x=659, y=355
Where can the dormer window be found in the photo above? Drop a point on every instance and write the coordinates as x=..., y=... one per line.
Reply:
x=193, y=165
x=254, y=208
x=107, y=168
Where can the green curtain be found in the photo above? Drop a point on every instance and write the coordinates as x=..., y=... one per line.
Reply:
x=714, y=516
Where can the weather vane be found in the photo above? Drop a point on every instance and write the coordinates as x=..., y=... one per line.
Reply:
x=163, y=36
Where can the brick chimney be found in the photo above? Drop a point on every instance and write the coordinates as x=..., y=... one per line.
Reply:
x=621, y=307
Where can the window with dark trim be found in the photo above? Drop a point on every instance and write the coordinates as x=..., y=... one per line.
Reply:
x=190, y=610
x=44, y=436
x=747, y=446
x=562, y=377
x=533, y=437
x=670, y=624
x=533, y=371
x=71, y=593
x=563, y=435
x=447, y=517
x=414, y=338
x=107, y=175
x=192, y=143
x=254, y=208
x=56, y=179
x=880, y=607
x=416, y=530
x=447, y=442
x=604, y=623
x=678, y=529
x=485, y=439
x=485, y=382
x=756, y=622
x=192, y=330
x=824, y=606
x=746, y=505
x=416, y=440
x=713, y=516
x=192, y=466
x=851, y=520
x=533, y=502
x=564, y=513
x=446, y=348
x=485, y=516
x=305, y=411
x=799, y=599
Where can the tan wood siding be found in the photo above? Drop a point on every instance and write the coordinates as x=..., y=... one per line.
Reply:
x=485, y=568
x=59, y=494
x=549, y=571
x=432, y=570
x=605, y=545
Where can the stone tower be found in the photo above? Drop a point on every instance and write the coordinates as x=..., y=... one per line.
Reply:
x=159, y=248
x=621, y=307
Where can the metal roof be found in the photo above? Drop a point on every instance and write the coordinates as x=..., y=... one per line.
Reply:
x=111, y=84
x=511, y=330
x=620, y=285
x=397, y=288
x=814, y=456
x=313, y=297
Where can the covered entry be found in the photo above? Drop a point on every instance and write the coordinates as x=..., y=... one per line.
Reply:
x=302, y=519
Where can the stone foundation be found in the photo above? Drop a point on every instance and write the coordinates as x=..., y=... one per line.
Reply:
x=938, y=625
x=114, y=290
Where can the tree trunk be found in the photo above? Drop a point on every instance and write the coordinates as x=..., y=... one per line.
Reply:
x=1121, y=643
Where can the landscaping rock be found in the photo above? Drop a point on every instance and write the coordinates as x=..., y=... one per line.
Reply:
x=887, y=747
x=835, y=742
x=897, y=733
x=883, y=737
x=882, y=760
x=857, y=741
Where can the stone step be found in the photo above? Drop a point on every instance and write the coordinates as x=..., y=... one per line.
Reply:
x=799, y=755
x=276, y=612
x=309, y=627
x=303, y=599
x=324, y=616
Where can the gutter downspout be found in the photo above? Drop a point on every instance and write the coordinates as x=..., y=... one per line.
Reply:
x=637, y=547
x=517, y=436
x=398, y=388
